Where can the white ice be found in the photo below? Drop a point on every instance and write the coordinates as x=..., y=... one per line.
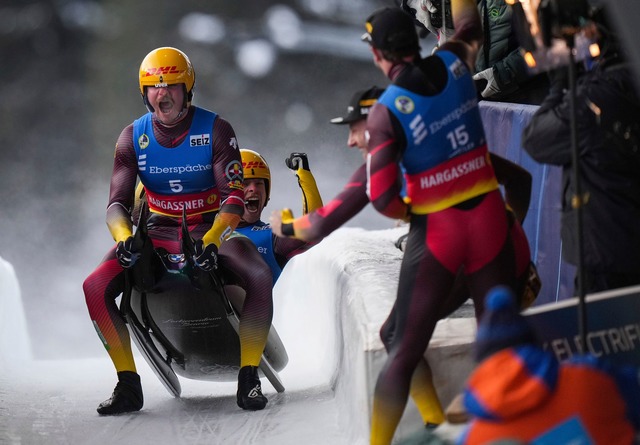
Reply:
x=54, y=401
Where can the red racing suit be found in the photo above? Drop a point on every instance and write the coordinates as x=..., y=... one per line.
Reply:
x=214, y=198
x=427, y=124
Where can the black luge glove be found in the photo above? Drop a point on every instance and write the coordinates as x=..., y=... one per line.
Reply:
x=296, y=161
x=206, y=257
x=125, y=253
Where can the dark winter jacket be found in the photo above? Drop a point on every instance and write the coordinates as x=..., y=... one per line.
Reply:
x=608, y=127
x=501, y=51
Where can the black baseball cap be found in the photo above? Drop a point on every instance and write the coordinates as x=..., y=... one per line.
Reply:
x=359, y=106
x=391, y=29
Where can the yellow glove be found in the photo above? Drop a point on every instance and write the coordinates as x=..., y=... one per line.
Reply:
x=287, y=216
x=282, y=222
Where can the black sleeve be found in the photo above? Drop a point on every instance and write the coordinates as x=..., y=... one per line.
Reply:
x=547, y=137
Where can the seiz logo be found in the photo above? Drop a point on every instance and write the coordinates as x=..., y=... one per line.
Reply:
x=162, y=70
x=198, y=140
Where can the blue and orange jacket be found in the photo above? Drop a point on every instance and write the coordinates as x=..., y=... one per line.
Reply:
x=524, y=393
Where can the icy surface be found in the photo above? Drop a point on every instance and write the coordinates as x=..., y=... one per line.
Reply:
x=54, y=401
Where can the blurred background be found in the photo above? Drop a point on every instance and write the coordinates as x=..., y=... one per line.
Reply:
x=278, y=71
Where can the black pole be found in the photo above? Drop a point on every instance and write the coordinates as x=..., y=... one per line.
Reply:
x=577, y=200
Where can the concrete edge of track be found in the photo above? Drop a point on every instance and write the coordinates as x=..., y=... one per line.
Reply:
x=361, y=284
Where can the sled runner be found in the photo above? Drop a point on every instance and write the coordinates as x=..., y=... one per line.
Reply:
x=184, y=320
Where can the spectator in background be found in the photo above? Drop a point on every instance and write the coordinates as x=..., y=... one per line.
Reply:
x=608, y=125
x=520, y=394
x=501, y=73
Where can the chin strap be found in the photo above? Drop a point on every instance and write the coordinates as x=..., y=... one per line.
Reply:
x=146, y=102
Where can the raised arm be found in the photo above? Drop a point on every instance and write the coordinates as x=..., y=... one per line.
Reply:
x=468, y=36
x=321, y=222
x=311, y=199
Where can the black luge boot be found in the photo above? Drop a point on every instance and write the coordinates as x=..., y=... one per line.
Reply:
x=249, y=389
x=126, y=397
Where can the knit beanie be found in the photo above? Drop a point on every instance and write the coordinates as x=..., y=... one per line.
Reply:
x=502, y=326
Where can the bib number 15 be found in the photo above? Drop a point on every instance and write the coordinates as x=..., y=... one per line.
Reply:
x=458, y=137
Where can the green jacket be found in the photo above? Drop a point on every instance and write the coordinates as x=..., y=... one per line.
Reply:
x=501, y=49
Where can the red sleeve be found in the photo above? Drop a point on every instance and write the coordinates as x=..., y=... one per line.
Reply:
x=348, y=203
x=227, y=168
x=384, y=178
x=123, y=177
x=286, y=248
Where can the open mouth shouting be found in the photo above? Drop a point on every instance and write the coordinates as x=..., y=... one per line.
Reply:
x=165, y=106
x=255, y=198
x=252, y=205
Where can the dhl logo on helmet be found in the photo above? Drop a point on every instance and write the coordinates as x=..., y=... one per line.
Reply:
x=254, y=164
x=162, y=70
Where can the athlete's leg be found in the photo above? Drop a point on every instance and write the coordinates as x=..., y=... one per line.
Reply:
x=423, y=285
x=244, y=266
x=460, y=292
x=422, y=390
x=101, y=289
x=523, y=263
x=491, y=260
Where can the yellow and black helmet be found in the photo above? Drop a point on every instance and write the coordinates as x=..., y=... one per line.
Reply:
x=255, y=166
x=166, y=66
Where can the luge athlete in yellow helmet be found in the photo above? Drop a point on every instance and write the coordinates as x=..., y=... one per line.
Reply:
x=186, y=157
x=276, y=251
x=257, y=189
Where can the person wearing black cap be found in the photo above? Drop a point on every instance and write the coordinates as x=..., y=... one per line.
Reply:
x=316, y=225
x=428, y=123
x=353, y=198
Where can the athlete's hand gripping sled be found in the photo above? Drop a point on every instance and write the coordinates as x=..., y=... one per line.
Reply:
x=184, y=320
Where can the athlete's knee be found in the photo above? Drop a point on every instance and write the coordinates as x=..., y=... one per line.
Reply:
x=89, y=287
x=386, y=333
x=241, y=258
x=260, y=273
